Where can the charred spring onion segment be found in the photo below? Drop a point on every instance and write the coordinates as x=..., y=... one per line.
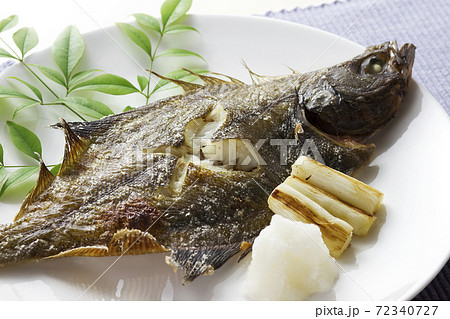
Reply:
x=339, y=204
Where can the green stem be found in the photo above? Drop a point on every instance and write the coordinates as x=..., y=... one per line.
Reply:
x=143, y=94
x=68, y=107
x=147, y=95
x=152, y=59
x=29, y=69
x=12, y=50
x=40, y=80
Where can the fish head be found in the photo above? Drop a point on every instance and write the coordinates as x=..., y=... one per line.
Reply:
x=358, y=97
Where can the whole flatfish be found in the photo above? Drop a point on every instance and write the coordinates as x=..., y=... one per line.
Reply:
x=190, y=175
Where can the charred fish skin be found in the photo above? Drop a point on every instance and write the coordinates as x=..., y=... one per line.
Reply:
x=146, y=181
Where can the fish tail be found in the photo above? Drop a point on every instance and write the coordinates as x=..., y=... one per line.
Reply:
x=20, y=242
x=42, y=236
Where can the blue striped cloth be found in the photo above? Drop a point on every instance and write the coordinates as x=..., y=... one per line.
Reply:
x=424, y=23
x=5, y=65
x=367, y=22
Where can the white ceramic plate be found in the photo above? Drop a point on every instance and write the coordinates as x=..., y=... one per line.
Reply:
x=408, y=246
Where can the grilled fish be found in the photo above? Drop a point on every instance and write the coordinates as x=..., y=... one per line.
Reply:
x=190, y=174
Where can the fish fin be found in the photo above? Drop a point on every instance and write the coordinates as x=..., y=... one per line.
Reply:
x=232, y=79
x=86, y=130
x=210, y=80
x=45, y=179
x=293, y=70
x=123, y=242
x=260, y=79
x=200, y=261
x=186, y=86
x=75, y=146
x=134, y=242
x=89, y=251
x=256, y=78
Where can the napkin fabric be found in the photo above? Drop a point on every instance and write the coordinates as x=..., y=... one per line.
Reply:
x=367, y=22
x=424, y=23
x=5, y=65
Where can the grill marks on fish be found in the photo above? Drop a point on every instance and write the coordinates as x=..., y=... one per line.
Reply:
x=152, y=179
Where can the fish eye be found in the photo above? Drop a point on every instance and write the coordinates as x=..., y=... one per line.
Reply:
x=373, y=65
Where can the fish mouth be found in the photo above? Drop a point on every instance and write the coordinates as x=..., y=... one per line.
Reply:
x=407, y=53
x=402, y=61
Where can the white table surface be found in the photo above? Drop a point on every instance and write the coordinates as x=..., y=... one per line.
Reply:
x=50, y=17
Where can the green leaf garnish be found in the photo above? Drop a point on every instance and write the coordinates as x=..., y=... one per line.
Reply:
x=143, y=82
x=18, y=176
x=138, y=37
x=9, y=92
x=6, y=54
x=2, y=173
x=8, y=23
x=68, y=50
x=86, y=106
x=128, y=108
x=81, y=75
x=55, y=169
x=24, y=106
x=173, y=10
x=25, y=39
x=177, y=28
x=179, y=52
x=107, y=83
x=147, y=21
x=31, y=87
x=25, y=140
x=52, y=74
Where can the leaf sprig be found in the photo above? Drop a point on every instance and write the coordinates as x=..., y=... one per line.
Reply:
x=172, y=11
x=27, y=142
x=65, y=76
x=67, y=51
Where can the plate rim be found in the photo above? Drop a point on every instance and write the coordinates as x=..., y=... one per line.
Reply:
x=419, y=284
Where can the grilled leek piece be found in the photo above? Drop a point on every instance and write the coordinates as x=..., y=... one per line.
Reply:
x=290, y=203
x=360, y=220
x=344, y=187
x=339, y=204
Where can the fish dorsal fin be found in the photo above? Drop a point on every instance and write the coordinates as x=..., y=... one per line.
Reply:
x=45, y=179
x=293, y=70
x=210, y=80
x=232, y=79
x=186, y=86
x=75, y=146
x=256, y=78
